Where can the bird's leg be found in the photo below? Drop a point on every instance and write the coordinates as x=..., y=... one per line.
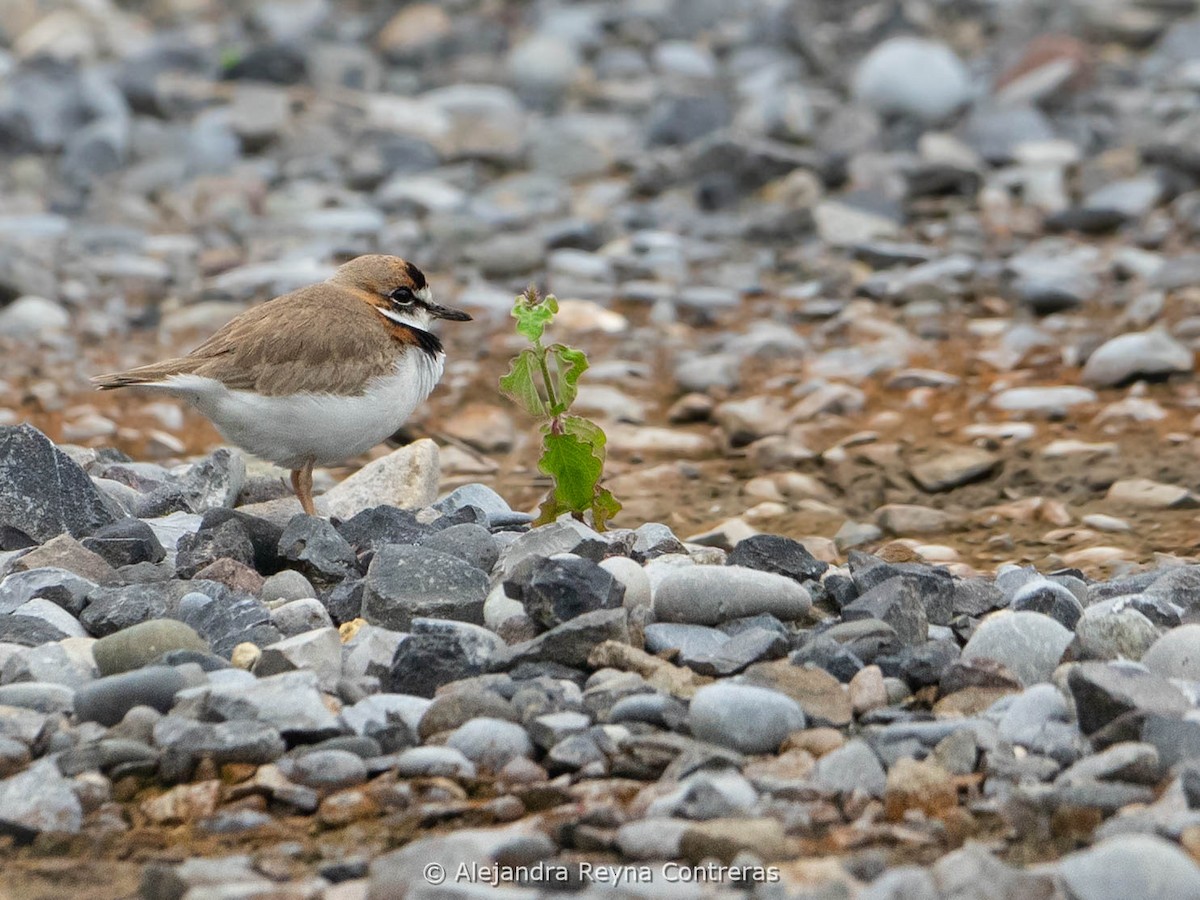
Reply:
x=302, y=487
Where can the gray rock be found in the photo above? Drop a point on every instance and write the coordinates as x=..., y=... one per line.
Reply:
x=52, y=614
x=59, y=586
x=40, y=696
x=1105, y=632
x=289, y=702
x=226, y=620
x=469, y=542
x=1050, y=599
x=1133, y=865
x=898, y=602
x=214, y=481
x=287, y=585
x=709, y=595
x=300, y=616
x=113, y=609
x=559, y=588
x=326, y=770
x=316, y=546
x=1029, y=644
x=318, y=651
x=404, y=583
x=43, y=492
x=1176, y=654
x=1142, y=354
x=439, y=652
x=570, y=643
x=1104, y=692
x=106, y=700
x=241, y=741
x=744, y=717
x=434, y=762
x=491, y=743
x=39, y=800
x=914, y=77
x=851, y=767
x=126, y=542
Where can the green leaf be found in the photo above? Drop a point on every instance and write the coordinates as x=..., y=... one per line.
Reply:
x=575, y=468
x=533, y=314
x=574, y=458
x=521, y=383
x=565, y=365
x=604, y=507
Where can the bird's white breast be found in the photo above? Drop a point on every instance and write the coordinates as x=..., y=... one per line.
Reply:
x=326, y=428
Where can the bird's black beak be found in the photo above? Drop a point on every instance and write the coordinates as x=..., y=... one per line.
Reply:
x=445, y=312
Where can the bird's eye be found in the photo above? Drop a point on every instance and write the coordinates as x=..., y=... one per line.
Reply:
x=402, y=296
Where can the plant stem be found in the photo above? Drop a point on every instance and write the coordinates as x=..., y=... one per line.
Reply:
x=546, y=378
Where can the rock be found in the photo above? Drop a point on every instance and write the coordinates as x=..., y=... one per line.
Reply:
x=709, y=595
x=1142, y=354
x=107, y=700
x=1029, y=644
x=1104, y=692
x=559, y=588
x=898, y=602
x=286, y=585
x=725, y=839
x=903, y=519
x=56, y=585
x=570, y=643
x=469, y=542
x=633, y=578
x=918, y=785
x=126, y=542
x=300, y=616
x=213, y=482
x=781, y=555
x=227, y=540
x=316, y=546
x=1176, y=654
x=954, y=468
x=43, y=492
x=1050, y=599
x=1105, y=632
x=851, y=767
x=39, y=800
x=405, y=478
x=439, y=652
x=820, y=695
x=1147, y=494
x=405, y=582
x=289, y=702
x=242, y=741
x=1052, y=402
x=743, y=717
x=914, y=77
x=491, y=743
x=318, y=651
x=1130, y=865
x=379, y=526
x=141, y=644
x=433, y=762
x=327, y=770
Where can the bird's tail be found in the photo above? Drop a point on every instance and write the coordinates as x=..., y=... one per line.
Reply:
x=153, y=375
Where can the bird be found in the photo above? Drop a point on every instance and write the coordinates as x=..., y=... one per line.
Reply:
x=315, y=376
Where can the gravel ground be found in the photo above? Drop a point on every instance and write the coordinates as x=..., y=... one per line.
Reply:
x=892, y=311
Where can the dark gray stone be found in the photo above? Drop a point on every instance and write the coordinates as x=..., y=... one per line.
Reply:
x=438, y=652
x=379, y=526
x=404, y=583
x=315, y=545
x=126, y=542
x=228, y=540
x=897, y=602
x=59, y=586
x=469, y=542
x=1103, y=692
x=106, y=700
x=43, y=492
x=567, y=644
x=562, y=587
x=781, y=555
x=111, y=609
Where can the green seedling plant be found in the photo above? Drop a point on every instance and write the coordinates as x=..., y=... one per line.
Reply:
x=544, y=381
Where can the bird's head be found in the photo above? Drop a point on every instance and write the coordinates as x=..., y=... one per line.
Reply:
x=397, y=289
